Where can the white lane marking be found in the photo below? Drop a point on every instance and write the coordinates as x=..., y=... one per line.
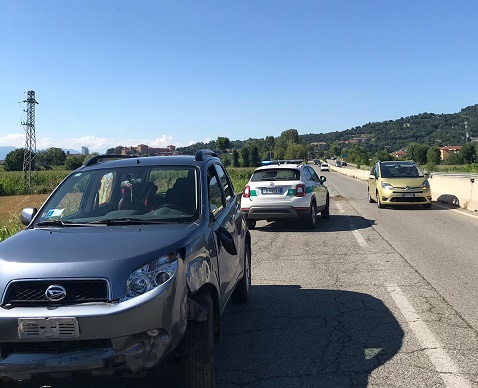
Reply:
x=357, y=235
x=443, y=364
x=464, y=213
x=341, y=209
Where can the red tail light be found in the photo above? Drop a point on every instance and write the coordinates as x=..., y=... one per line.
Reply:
x=246, y=193
x=300, y=190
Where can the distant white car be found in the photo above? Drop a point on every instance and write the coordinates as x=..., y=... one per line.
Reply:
x=284, y=192
x=324, y=167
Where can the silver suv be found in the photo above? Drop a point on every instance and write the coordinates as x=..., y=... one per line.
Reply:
x=130, y=260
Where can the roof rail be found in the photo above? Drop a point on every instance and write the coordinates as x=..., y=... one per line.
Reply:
x=97, y=158
x=201, y=154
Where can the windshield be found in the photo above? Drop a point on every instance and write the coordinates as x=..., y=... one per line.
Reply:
x=124, y=195
x=276, y=174
x=400, y=170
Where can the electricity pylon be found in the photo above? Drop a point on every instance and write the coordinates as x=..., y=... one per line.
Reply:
x=30, y=141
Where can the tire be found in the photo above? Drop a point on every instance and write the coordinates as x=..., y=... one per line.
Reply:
x=370, y=199
x=379, y=203
x=251, y=224
x=427, y=206
x=310, y=222
x=196, y=350
x=243, y=287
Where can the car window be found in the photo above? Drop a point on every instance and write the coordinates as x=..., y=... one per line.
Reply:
x=215, y=198
x=225, y=182
x=400, y=170
x=315, y=177
x=164, y=193
x=307, y=174
x=276, y=174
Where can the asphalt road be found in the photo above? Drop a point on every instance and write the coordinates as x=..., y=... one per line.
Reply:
x=372, y=298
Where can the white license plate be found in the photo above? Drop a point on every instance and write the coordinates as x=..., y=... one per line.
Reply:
x=52, y=327
x=408, y=195
x=272, y=191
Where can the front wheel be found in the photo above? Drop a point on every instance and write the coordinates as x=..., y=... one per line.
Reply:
x=370, y=199
x=379, y=203
x=196, y=350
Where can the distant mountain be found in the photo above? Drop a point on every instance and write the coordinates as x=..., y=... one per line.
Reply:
x=4, y=150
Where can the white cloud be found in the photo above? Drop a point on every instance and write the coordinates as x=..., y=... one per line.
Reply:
x=13, y=140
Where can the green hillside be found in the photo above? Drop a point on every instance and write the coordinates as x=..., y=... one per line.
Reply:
x=425, y=128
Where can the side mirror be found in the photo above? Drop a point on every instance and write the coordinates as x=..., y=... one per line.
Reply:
x=27, y=215
x=371, y=176
x=227, y=241
x=323, y=178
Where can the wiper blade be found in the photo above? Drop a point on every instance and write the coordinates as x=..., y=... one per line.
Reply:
x=58, y=223
x=125, y=221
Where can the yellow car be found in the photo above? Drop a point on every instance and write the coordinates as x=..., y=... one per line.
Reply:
x=398, y=183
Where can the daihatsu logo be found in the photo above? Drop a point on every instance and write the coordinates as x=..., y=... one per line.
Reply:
x=55, y=293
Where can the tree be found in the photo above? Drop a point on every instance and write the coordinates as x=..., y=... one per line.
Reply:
x=255, y=160
x=235, y=158
x=269, y=142
x=417, y=152
x=223, y=143
x=295, y=151
x=51, y=156
x=382, y=156
x=335, y=149
x=433, y=156
x=245, y=154
x=14, y=160
x=468, y=154
x=73, y=162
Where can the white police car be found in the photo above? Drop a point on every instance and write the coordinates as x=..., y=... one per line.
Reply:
x=285, y=192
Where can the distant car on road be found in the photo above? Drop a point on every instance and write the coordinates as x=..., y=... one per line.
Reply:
x=344, y=163
x=398, y=183
x=338, y=163
x=324, y=167
x=285, y=192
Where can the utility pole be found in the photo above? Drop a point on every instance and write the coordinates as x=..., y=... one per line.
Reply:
x=30, y=141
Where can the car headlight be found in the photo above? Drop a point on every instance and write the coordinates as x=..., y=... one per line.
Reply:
x=151, y=275
x=387, y=186
x=425, y=185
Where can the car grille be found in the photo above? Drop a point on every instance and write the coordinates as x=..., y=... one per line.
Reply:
x=8, y=348
x=33, y=292
x=408, y=199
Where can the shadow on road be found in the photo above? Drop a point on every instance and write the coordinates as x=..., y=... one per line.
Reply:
x=336, y=223
x=287, y=336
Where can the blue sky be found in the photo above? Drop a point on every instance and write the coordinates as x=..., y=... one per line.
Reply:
x=162, y=72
